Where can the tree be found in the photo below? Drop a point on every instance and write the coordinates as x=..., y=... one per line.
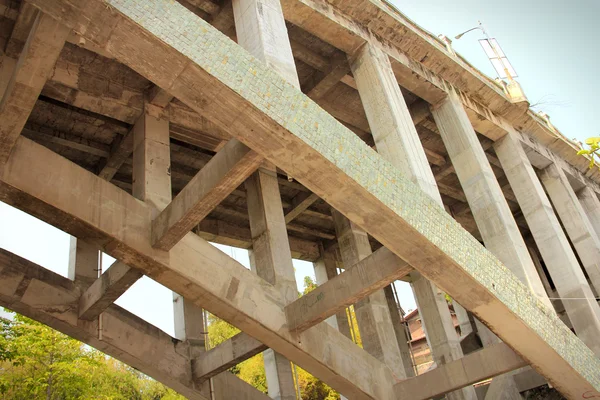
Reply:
x=37, y=362
x=594, y=143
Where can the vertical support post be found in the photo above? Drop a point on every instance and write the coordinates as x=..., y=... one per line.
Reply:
x=574, y=219
x=152, y=184
x=494, y=218
x=397, y=140
x=84, y=262
x=260, y=28
x=271, y=259
x=591, y=205
x=551, y=240
x=372, y=312
x=399, y=331
x=326, y=269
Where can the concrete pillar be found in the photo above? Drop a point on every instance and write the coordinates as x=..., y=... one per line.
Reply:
x=397, y=140
x=260, y=28
x=591, y=204
x=372, y=312
x=84, y=262
x=400, y=331
x=326, y=269
x=271, y=259
x=152, y=159
x=550, y=239
x=494, y=218
x=152, y=184
x=574, y=219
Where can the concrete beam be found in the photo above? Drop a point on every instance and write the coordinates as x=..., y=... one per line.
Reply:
x=44, y=43
x=472, y=368
x=226, y=355
x=591, y=204
x=227, y=170
x=399, y=215
x=52, y=299
x=106, y=290
x=75, y=200
x=338, y=69
x=120, y=151
x=299, y=204
x=369, y=275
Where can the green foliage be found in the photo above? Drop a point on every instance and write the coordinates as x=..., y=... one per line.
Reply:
x=38, y=362
x=594, y=143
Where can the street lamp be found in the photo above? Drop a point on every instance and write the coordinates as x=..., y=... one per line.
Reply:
x=495, y=54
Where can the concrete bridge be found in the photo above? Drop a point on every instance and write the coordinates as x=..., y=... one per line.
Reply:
x=145, y=128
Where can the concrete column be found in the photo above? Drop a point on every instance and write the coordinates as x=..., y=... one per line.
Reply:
x=326, y=269
x=271, y=259
x=397, y=140
x=260, y=28
x=372, y=312
x=494, y=218
x=400, y=331
x=84, y=262
x=551, y=241
x=591, y=204
x=574, y=219
x=152, y=159
x=152, y=184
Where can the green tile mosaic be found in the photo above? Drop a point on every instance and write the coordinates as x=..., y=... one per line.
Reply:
x=236, y=68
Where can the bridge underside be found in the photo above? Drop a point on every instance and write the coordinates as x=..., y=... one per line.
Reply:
x=81, y=80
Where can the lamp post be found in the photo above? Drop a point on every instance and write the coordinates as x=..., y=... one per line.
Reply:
x=492, y=43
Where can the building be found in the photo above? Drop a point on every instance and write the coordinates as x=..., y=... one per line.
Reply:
x=333, y=131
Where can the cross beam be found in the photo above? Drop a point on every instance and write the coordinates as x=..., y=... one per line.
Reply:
x=277, y=121
x=40, y=294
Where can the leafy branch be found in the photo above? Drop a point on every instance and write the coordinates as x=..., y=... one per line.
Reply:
x=594, y=143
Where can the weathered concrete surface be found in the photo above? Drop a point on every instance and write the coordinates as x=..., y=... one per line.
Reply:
x=575, y=220
x=118, y=223
x=397, y=141
x=372, y=313
x=224, y=356
x=486, y=201
x=106, y=290
x=43, y=45
x=369, y=275
x=551, y=241
x=210, y=186
x=591, y=204
x=394, y=214
x=475, y=367
x=52, y=299
x=260, y=29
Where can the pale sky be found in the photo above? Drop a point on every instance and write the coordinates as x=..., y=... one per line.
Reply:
x=551, y=44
